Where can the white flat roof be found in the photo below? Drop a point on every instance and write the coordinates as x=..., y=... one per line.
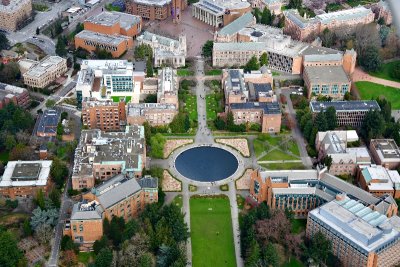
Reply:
x=41, y=177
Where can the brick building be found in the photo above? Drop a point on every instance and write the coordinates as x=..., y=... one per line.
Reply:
x=13, y=13
x=12, y=94
x=111, y=31
x=119, y=196
x=304, y=190
x=350, y=113
x=25, y=178
x=379, y=181
x=303, y=28
x=41, y=74
x=103, y=115
x=102, y=155
x=153, y=9
x=360, y=235
x=275, y=6
x=385, y=152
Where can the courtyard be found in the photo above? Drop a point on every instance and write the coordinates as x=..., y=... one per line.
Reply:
x=211, y=232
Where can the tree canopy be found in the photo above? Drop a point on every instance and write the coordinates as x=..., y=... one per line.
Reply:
x=9, y=251
x=253, y=64
x=208, y=48
x=264, y=59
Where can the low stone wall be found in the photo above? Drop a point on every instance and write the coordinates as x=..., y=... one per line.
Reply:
x=169, y=183
x=240, y=144
x=172, y=144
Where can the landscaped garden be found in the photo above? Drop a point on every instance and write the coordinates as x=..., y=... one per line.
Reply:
x=119, y=98
x=211, y=232
x=213, y=72
x=184, y=72
x=277, y=154
x=369, y=90
x=387, y=70
x=213, y=106
x=191, y=106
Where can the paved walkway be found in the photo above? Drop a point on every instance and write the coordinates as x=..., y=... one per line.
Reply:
x=360, y=75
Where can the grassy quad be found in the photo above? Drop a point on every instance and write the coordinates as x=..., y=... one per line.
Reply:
x=191, y=107
x=277, y=154
x=184, y=72
x=212, y=106
x=385, y=71
x=283, y=166
x=369, y=90
x=211, y=232
x=214, y=72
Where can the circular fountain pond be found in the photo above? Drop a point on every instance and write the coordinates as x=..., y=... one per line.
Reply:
x=206, y=164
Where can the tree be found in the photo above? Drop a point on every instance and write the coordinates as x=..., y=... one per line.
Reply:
x=295, y=4
x=143, y=51
x=270, y=255
x=151, y=98
x=43, y=233
x=50, y=103
x=395, y=71
x=319, y=248
x=37, y=31
x=61, y=46
x=373, y=125
x=266, y=16
x=10, y=72
x=39, y=199
x=55, y=197
x=264, y=59
x=9, y=251
x=69, y=258
x=68, y=244
x=58, y=172
x=386, y=108
x=103, y=54
x=27, y=229
x=207, y=49
x=4, y=43
x=321, y=122
x=44, y=217
x=149, y=67
x=104, y=258
x=252, y=64
x=100, y=244
x=10, y=142
x=331, y=119
x=328, y=38
x=219, y=123
x=327, y=161
x=371, y=60
x=257, y=14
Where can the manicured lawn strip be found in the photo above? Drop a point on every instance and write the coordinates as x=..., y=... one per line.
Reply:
x=184, y=72
x=272, y=140
x=211, y=232
x=213, y=107
x=259, y=147
x=369, y=90
x=277, y=155
x=384, y=73
x=294, y=148
x=214, y=72
x=283, y=166
x=191, y=106
x=298, y=225
x=118, y=98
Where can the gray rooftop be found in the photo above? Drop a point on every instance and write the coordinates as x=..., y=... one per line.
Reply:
x=344, y=15
x=238, y=24
x=326, y=74
x=48, y=121
x=267, y=107
x=106, y=18
x=345, y=106
x=140, y=109
x=87, y=211
x=102, y=38
x=386, y=149
x=148, y=182
x=152, y=2
x=26, y=171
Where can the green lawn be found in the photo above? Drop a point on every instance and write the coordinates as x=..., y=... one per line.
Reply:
x=298, y=225
x=213, y=106
x=283, y=166
x=294, y=148
x=84, y=257
x=4, y=156
x=277, y=154
x=370, y=90
x=211, y=232
x=214, y=72
x=184, y=72
x=333, y=7
x=191, y=106
x=119, y=98
x=177, y=201
x=272, y=140
x=259, y=147
x=385, y=71
x=293, y=263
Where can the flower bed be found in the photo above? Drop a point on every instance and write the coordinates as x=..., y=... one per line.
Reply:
x=243, y=183
x=172, y=144
x=169, y=183
x=240, y=144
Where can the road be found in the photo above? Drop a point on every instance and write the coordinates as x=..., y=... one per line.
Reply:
x=46, y=44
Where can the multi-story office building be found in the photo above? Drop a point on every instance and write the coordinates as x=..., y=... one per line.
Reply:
x=111, y=31
x=344, y=159
x=350, y=113
x=360, y=235
x=167, y=105
x=166, y=51
x=48, y=122
x=120, y=196
x=13, y=13
x=12, y=94
x=275, y=6
x=379, y=181
x=42, y=73
x=237, y=43
x=109, y=79
x=104, y=115
x=25, y=178
x=219, y=13
x=303, y=28
x=303, y=190
x=250, y=98
x=154, y=9
x=385, y=152
x=102, y=155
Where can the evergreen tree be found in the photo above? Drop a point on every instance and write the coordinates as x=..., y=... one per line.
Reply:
x=321, y=122
x=373, y=125
x=319, y=248
x=149, y=68
x=270, y=255
x=253, y=64
x=331, y=118
x=104, y=258
x=264, y=59
x=266, y=17
x=61, y=49
x=9, y=251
